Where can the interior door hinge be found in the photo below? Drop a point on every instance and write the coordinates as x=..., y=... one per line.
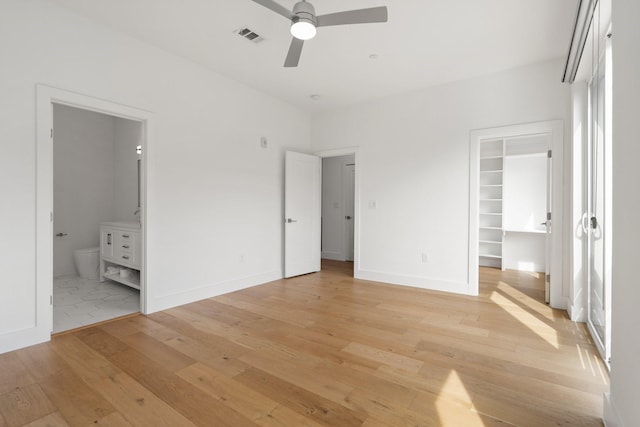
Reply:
x=51, y=216
x=548, y=278
x=549, y=154
x=548, y=216
x=51, y=133
x=50, y=299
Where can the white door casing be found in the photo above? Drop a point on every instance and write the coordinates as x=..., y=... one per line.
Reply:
x=348, y=187
x=558, y=297
x=40, y=328
x=302, y=228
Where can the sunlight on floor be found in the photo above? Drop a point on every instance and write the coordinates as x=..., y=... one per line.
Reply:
x=531, y=322
x=454, y=386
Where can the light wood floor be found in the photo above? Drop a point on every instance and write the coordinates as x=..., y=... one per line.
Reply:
x=322, y=349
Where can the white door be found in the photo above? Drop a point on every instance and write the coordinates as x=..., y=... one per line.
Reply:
x=302, y=203
x=348, y=183
x=548, y=235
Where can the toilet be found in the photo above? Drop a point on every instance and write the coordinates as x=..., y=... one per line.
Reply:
x=87, y=262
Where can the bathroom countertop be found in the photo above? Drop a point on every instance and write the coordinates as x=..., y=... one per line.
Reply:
x=122, y=224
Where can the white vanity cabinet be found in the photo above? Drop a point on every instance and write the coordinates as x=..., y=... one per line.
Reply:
x=120, y=252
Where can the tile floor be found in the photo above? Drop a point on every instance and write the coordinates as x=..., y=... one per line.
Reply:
x=79, y=302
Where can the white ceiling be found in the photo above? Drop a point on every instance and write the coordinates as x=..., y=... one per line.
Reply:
x=425, y=42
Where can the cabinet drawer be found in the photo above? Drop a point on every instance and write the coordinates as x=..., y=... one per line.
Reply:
x=121, y=246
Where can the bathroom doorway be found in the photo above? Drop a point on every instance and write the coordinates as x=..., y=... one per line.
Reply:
x=48, y=98
x=96, y=160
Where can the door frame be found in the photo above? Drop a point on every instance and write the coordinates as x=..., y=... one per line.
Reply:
x=555, y=128
x=46, y=97
x=349, y=238
x=338, y=152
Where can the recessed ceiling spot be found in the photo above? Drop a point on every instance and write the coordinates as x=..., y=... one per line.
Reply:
x=315, y=97
x=374, y=56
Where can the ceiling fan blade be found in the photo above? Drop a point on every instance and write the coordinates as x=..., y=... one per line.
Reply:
x=358, y=16
x=276, y=7
x=295, y=50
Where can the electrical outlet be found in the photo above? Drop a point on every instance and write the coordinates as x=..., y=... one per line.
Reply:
x=263, y=142
x=425, y=258
x=372, y=204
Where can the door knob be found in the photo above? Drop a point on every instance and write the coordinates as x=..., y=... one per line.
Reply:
x=289, y=220
x=62, y=234
x=347, y=217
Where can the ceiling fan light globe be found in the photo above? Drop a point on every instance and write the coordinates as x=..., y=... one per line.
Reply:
x=303, y=30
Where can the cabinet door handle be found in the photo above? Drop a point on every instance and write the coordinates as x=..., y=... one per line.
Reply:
x=108, y=238
x=125, y=246
x=125, y=257
x=126, y=236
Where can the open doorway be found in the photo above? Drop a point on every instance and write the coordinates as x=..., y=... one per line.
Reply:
x=48, y=99
x=338, y=216
x=303, y=211
x=516, y=204
x=96, y=178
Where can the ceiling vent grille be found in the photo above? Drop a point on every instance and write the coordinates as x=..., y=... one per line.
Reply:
x=249, y=34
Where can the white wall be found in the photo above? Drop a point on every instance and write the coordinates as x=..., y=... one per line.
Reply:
x=622, y=408
x=414, y=167
x=204, y=211
x=127, y=135
x=83, y=193
x=525, y=192
x=333, y=208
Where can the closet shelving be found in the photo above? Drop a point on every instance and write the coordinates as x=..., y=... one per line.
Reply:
x=490, y=202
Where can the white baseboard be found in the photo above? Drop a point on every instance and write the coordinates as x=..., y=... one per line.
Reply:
x=413, y=281
x=577, y=313
x=610, y=414
x=173, y=300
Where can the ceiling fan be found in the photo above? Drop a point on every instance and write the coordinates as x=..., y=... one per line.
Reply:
x=304, y=22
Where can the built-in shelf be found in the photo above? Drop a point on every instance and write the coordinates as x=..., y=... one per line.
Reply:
x=526, y=231
x=124, y=280
x=490, y=199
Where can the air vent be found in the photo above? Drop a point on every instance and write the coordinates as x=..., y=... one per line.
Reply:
x=249, y=34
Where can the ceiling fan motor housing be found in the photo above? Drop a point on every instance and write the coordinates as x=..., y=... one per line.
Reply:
x=304, y=11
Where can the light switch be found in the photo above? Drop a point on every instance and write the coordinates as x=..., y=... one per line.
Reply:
x=372, y=204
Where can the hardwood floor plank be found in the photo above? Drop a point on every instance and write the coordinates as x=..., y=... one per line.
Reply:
x=258, y=407
x=78, y=403
x=112, y=420
x=320, y=349
x=300, y=400
x=13, y=373
x=179, y=394
x=139, y=405
x=23, y=405
x=51, y=420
